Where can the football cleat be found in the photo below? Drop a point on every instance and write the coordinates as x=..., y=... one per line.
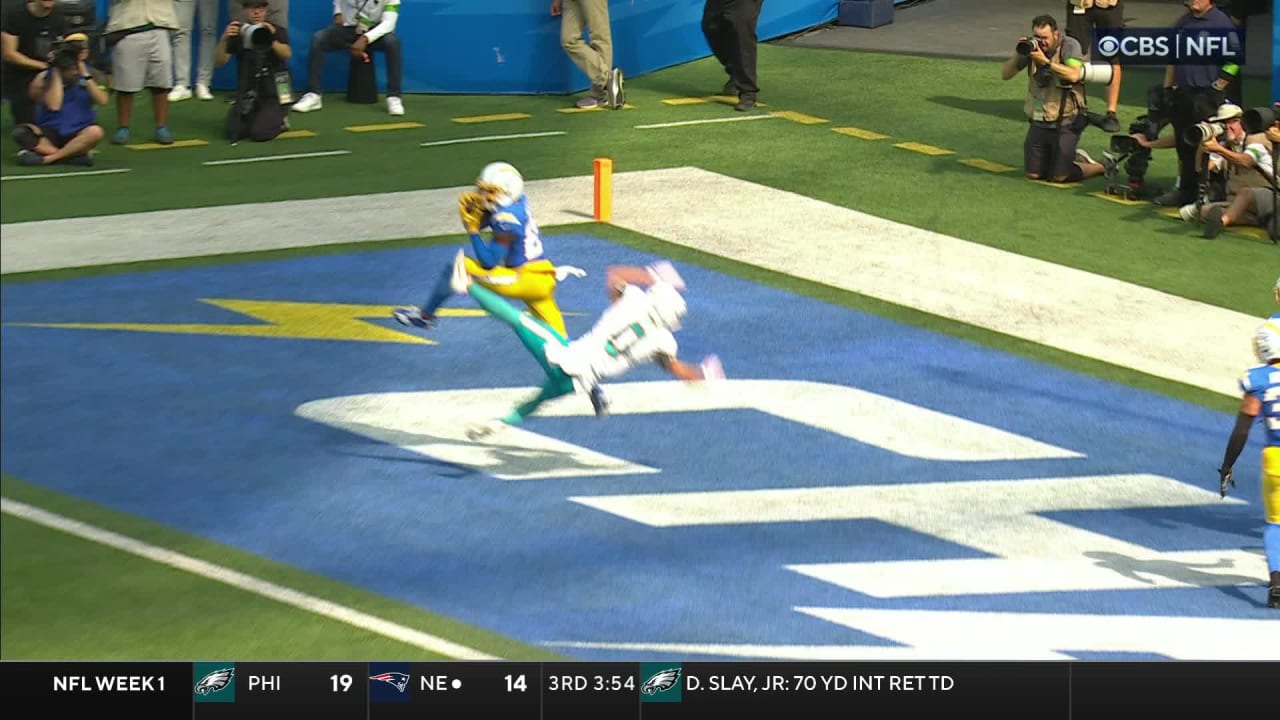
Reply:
x=1273, y=597
x=599, y=402
x=414, y=318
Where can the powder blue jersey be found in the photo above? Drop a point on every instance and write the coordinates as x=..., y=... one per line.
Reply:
x=515, y=219
x=1263, y=382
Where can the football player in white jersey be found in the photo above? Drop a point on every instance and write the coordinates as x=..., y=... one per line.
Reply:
x=638, y=327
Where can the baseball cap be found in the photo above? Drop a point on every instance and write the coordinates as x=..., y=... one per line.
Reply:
x=1227, y=111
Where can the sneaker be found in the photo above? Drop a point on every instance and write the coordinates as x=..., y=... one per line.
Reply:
x=413, y=317
x=307, y=103
x=460, y=280
x=614, y=96
x=203, y=92
x=30, y=158
x=1273, y=597
x=1213, y=222
x=121, y=136
x=730, y=88
x=599, y=402
x=179, y=93
x=1110, y=162
x=1085, y=158
x=1189, y=213
x=82, y=159
x=1110, y=123
x=587, y=103
x=395, y=106
x=746, y=101
x=1173, y=198
x=164, y=136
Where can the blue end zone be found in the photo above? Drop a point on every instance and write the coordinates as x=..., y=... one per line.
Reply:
x=199, y=432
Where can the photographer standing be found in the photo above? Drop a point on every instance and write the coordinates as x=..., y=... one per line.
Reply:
x=1055, y=104
x=262, y=54
x=26, y=37
x=1196, y=91
x=66, y=126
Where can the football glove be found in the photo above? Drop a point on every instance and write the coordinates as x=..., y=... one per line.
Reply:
x=1225, y=478
x=564, y=271
x=472, y=209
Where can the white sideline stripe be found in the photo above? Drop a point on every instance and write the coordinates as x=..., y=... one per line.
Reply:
x=73, y=173
x=704, y=122
x=486, y=138
x=241, y=581
x=266, y=158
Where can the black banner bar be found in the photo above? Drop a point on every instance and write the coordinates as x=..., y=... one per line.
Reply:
x=1101, y=690
x=903, y=691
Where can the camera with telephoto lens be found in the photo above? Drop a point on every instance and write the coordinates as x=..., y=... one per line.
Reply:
x=66, y=53
x=256, y=36
x=1026, y=45
x=1202, y=132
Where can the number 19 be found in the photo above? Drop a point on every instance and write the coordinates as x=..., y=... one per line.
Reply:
x=341, y=683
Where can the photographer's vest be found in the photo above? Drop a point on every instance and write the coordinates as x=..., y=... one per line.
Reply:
x=1239, y=178
x=1055, y=104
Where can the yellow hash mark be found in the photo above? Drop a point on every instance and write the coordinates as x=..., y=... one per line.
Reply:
x=860, y=133
x=730, y=100
x=684, y=101
x=1058, y=185
x=291, y=134
x=379, y=127
x=174, y=144
x=597, y=108
x=924, y=149
x=987, y=165
x=492, y=118
x=801, y=118
x=1119, y=199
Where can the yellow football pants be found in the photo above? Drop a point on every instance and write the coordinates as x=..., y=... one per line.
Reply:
x=1271, y=484
x=534, y=283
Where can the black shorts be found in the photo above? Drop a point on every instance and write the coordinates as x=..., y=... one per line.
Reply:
x=1081, y=26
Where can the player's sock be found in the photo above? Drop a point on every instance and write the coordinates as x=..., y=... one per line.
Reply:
x=441, y=292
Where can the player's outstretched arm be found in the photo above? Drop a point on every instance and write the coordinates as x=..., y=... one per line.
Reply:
x=618, y=277
x=709, y=369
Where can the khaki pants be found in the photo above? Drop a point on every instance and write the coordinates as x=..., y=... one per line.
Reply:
x=594, y=59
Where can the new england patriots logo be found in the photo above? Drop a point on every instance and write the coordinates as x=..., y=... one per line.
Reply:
x=215, y=681
x=661, y=681
x=397, y=679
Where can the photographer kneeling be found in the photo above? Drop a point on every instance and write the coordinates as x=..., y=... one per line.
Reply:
x=1245, y=160
x=262, y=54
x=66, y=126
x=1055, y=104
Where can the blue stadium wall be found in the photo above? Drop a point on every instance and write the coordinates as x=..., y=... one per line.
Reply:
x=513, y=46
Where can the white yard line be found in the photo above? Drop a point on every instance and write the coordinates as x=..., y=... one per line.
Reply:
x=1060, y=307
x=71, y=173
x=269, y=158
x=487, y=138
x=708, y=121
x=241, y=581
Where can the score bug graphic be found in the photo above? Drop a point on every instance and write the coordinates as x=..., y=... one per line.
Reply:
x=662, y=682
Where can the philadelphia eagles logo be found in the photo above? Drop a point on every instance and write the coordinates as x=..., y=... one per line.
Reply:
x=661, y=681
x=215, y=681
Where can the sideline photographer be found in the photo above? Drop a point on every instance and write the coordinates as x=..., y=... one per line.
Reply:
x=66, y=126
x=262, y=54
x=1245, y=158
x=1055, y=104
x=1195, y=90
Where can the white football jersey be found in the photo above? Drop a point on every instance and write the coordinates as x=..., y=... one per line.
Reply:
x=625, y=336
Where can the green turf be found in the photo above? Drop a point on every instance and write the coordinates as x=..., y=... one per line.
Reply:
x=959, y=105
x=76, y=599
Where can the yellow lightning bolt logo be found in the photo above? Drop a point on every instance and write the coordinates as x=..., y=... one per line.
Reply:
x=294, y=320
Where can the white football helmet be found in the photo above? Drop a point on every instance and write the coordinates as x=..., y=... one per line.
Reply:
x=667, y=306
x=501, y=183
x=1266, y=343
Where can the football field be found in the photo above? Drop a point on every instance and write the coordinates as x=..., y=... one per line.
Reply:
x=951, y=428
